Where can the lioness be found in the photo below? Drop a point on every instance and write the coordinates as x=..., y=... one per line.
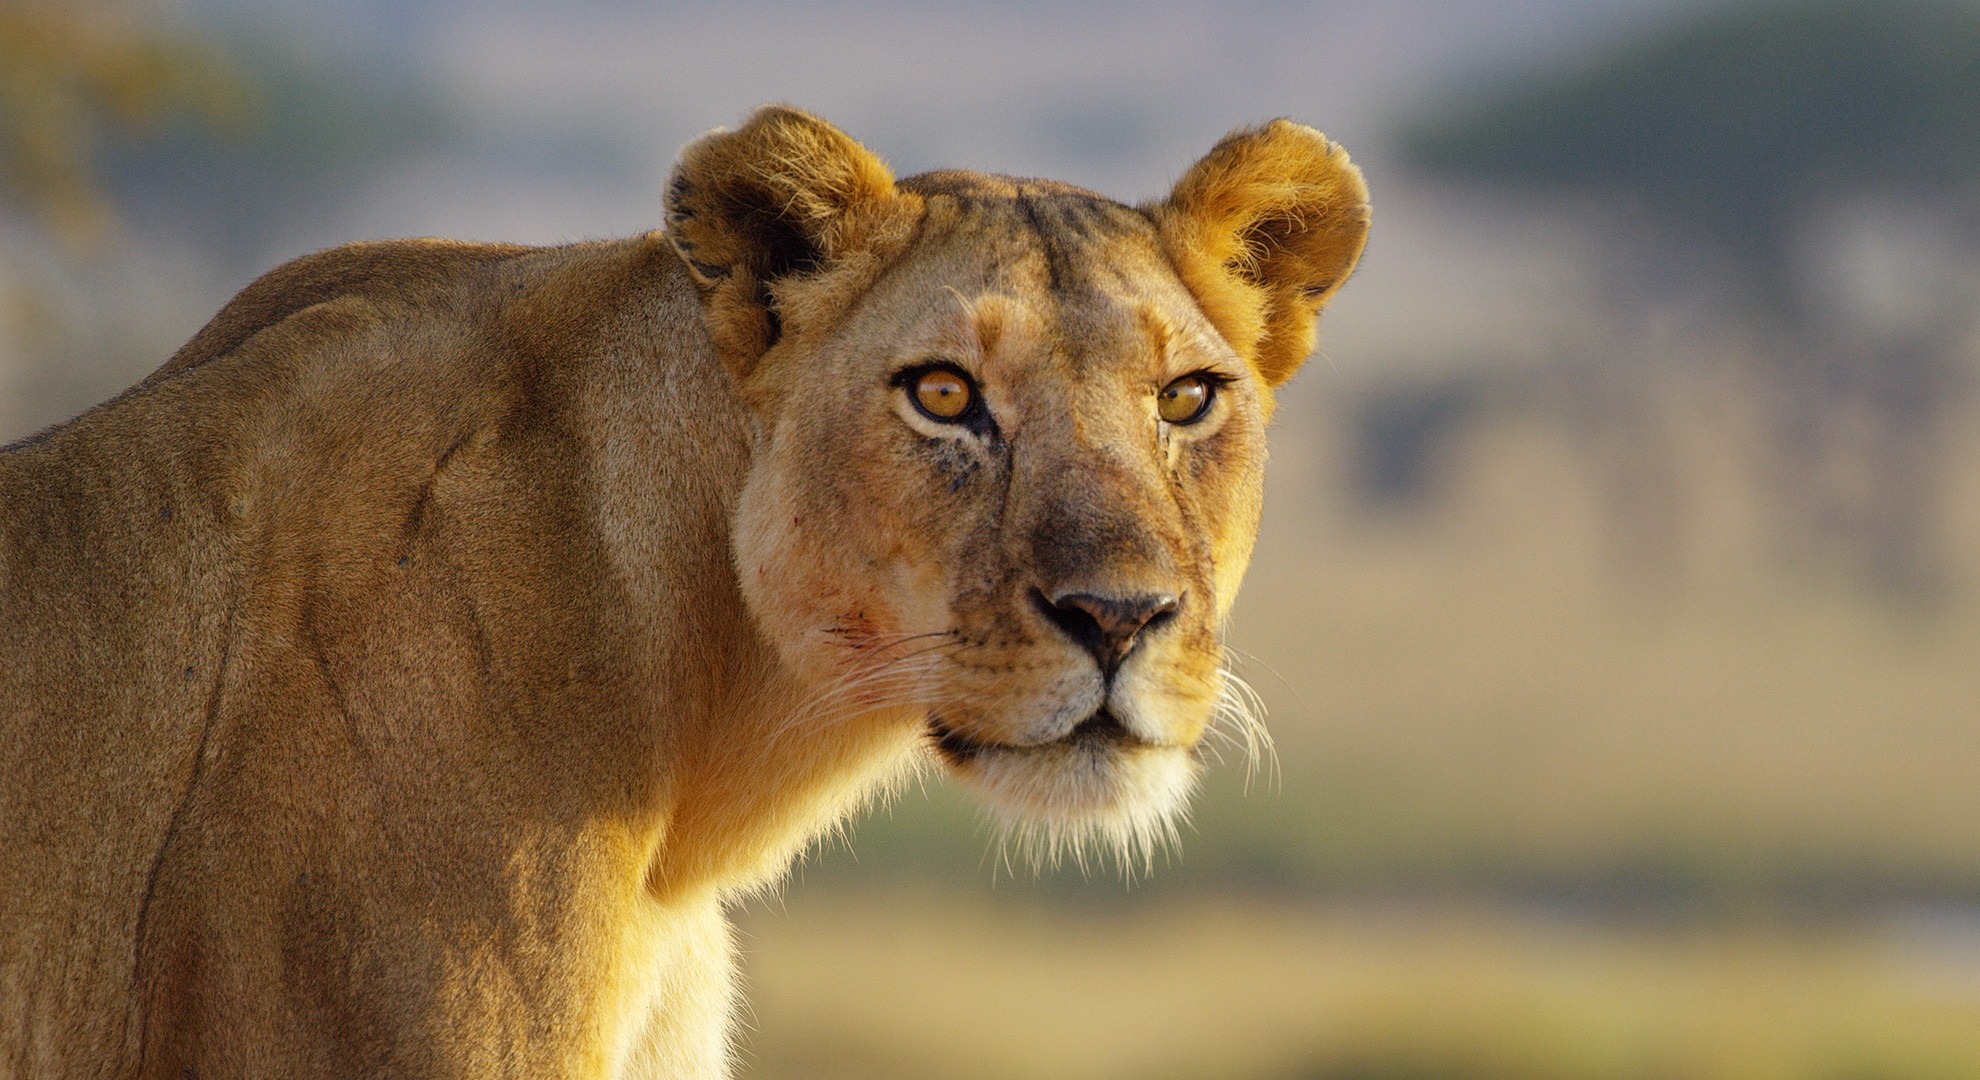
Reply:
x=399, y=680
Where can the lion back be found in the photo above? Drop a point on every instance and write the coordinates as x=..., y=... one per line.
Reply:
x=124, y=536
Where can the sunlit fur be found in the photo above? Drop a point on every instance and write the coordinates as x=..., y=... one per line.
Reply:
x=403, y=678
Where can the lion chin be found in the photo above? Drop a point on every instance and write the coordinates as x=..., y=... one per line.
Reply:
x=1099, y=786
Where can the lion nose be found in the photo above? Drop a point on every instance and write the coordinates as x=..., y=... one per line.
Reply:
x=1107, y=626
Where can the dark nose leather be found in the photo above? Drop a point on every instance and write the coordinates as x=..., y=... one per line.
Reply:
x=1107, y=626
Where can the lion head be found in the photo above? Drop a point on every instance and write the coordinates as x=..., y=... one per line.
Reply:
x=1010, y=438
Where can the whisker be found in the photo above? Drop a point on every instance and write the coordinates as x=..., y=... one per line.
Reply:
x=904, y=639
x=1251, y=659
x=1240, y=708
x=895, y=682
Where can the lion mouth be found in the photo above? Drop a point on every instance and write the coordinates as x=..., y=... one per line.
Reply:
x=1102, y=730
x=1098, y=783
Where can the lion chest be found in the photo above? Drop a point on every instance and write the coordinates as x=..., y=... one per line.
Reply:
x=675, y=995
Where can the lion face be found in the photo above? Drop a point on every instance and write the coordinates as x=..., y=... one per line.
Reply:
x=968, y=495
x=1009, y=463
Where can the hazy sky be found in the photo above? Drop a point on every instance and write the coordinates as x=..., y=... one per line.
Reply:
x=1115, y=96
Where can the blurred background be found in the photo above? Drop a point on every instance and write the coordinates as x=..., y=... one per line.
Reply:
x=1618, y=601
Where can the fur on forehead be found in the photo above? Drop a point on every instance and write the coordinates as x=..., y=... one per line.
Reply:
x=996, y=329
x=987, y=324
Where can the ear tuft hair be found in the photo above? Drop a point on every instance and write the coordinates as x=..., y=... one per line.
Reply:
x=1264, y=230
x=785, y=196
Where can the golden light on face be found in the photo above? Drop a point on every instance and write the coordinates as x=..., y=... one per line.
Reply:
x=942, y=394
x=1185, y=400
x=1057, y=622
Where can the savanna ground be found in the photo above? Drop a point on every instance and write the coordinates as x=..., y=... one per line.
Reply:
x=946, y=983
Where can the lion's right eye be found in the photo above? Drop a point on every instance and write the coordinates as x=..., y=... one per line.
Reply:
x=942, y=394
x=1187, y=399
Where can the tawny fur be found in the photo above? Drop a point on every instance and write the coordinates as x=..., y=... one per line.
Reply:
x=399, y=681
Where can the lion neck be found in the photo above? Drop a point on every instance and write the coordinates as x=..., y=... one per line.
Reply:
x=753, y=760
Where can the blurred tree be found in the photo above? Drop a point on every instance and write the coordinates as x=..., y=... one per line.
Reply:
x=73, y=76
x=1726, y=135
x=1726, y=126
x=127, y=131
x=326, y=124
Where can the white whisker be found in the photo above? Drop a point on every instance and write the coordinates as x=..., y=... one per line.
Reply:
x=1239, y=716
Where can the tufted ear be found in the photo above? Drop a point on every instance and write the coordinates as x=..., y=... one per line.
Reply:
x=1263, y=230
x=783, y=201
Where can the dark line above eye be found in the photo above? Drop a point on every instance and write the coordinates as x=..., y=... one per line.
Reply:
x=1217, y=379
x=906, y=376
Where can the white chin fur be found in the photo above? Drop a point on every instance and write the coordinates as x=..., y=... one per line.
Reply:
x=1064, y=798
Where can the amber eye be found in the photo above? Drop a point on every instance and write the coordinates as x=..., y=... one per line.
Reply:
x=1186, y=400
x=942, y=394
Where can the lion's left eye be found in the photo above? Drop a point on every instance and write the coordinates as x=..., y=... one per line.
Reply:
x=942, y=394
x=1186, y=400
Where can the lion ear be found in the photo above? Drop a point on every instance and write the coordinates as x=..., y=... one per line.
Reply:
x=783, y=199
x=1263, y=230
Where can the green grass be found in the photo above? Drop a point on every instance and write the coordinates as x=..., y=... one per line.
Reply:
x=940, y=983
